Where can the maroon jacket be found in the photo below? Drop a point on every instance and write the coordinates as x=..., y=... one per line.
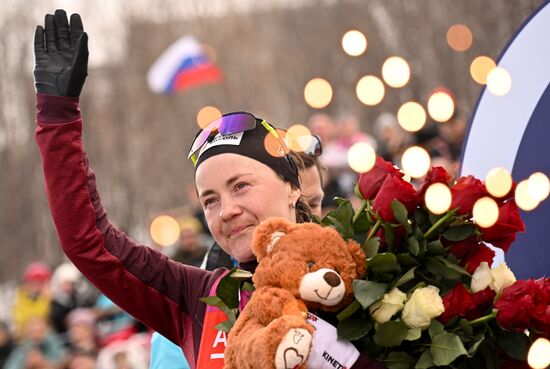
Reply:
x=161, y=293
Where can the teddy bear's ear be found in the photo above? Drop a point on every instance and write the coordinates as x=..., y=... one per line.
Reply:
x=267, y=234
x=359, y=257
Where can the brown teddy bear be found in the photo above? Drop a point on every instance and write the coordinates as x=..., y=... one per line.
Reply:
x=300, y=266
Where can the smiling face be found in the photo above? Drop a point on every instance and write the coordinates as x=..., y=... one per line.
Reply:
x=236, y=194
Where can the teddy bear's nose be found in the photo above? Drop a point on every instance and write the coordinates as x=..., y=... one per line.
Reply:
x=332, y=279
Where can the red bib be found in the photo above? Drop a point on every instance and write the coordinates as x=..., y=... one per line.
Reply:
x=213, y=341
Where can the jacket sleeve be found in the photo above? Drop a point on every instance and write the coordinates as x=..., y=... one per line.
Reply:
x=142, y=281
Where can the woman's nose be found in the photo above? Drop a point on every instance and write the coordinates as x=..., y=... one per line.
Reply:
x=229, y=210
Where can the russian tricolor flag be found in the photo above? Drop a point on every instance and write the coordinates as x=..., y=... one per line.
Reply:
x=182, y=66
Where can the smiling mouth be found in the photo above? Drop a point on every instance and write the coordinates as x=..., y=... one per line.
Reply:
x=326, y=297
x=238, y=231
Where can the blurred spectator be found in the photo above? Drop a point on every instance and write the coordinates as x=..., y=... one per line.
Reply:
x=311, y=182
x=6, y=343
x=128, y=354
x=391, y=138
x=113, y=323
x=322, y=125
x=340, y=177
x=81, y=333
x=190, y=248
x=39, y=347
x=33, y=296
x=70, y=290
x=453, y=132
x=81, y=360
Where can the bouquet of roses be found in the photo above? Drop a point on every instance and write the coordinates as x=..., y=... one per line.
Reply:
x=431, y=298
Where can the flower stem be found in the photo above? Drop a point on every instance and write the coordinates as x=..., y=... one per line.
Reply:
x=373, y=230
x=484, y=318
x=364, y=204
x=438, y=224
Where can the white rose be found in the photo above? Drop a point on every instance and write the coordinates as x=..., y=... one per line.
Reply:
x=502, y=278
x=424, y=305
x=391, y=303
x=482, y=277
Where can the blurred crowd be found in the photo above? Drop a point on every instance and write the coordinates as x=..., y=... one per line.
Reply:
x=443, y=142
x=60, y=321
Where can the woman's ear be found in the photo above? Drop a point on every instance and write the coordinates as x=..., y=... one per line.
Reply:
x=294, y=195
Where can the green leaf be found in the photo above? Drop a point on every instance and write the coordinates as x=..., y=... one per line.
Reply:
x=340, y=200
x=420, y=217
x=228, y=291
x=413, y=334
x=446, y=347
x=400, y=213
x=435, y=328
x=425, y=361
x=388, y=234
x=362, y=223
x=460, y=232
x=247, y=286
x=224, y=326
x=437, y=268
x=398, y=360
x=391, y=333
x=413, y=245
x=452, y=266
x=409, y=276
x=371, y=247
x=347, y=312
x=383, y=263
x=478, y=341
x=353, y=329
x=514, y=344
x=435, y=248
x=345, y=212
x=212, y=301
x=241, y=275
x=343, y=229
x=466, y=327
x=367, y=292
x=407, y=260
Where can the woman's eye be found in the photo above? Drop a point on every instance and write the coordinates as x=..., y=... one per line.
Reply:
x=240, y=186
x=209, y=202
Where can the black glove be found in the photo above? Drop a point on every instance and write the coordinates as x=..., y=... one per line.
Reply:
x=61, y=65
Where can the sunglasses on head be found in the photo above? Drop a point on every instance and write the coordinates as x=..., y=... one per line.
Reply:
x=227, y=124
x=239, y=122
x=307, y=144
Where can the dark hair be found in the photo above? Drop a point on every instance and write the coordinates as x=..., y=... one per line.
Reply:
x=310, y=161
x=303, y=211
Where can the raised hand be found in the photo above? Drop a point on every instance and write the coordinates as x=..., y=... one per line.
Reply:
x=61, y=55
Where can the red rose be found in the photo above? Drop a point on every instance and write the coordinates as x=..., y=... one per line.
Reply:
x=471, y=252
x=465, y=193
x=458, y=302
x=463, y=248
x=478, y=254
x=394, y=188
x=509, y=222
x=525, y=304
x=369, y=183
x=483, y=301
x=435, y=175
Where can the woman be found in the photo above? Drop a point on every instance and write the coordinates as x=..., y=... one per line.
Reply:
x=238, y=182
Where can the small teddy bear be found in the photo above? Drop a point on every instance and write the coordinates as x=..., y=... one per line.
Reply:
x=301, y=266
